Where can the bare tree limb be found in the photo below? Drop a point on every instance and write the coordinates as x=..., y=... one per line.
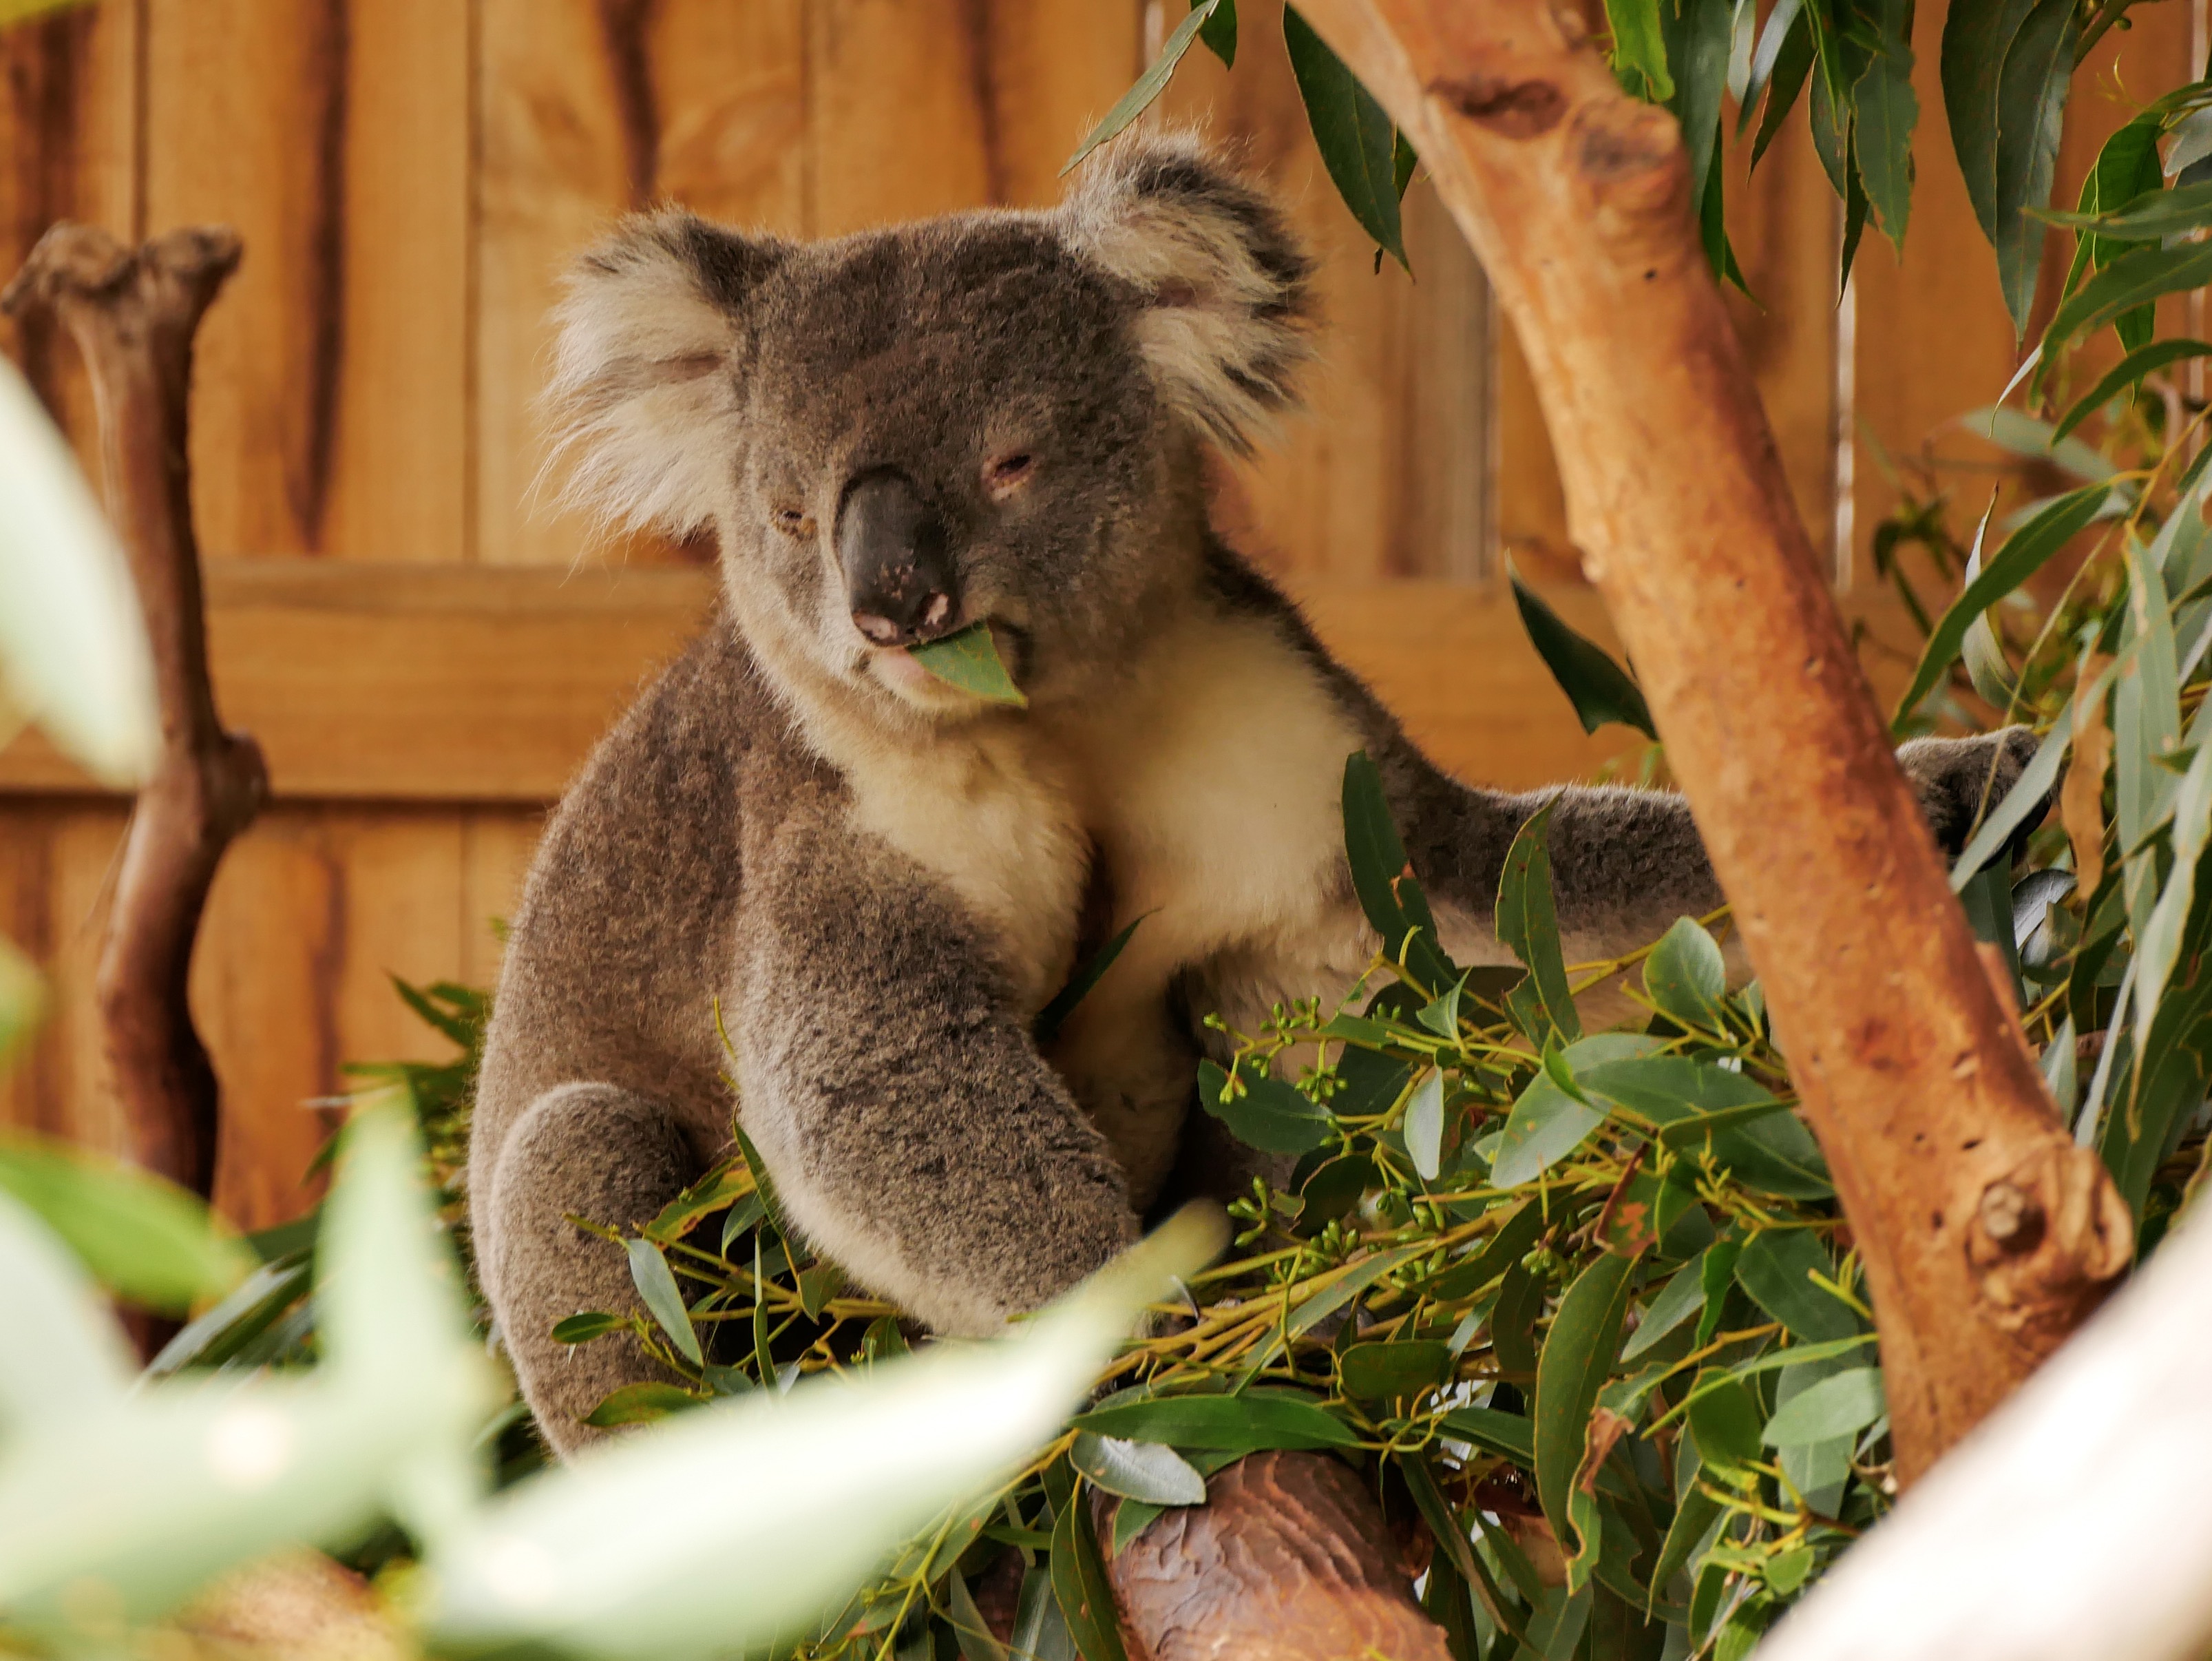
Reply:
x=1987, y=1235
x=2077, y=1521
x=133, y=314
x=1287, y=1560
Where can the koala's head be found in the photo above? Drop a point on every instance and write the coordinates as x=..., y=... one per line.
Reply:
x=990, y=416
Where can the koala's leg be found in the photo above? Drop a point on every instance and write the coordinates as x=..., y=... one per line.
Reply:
x=589, y=1151
x=887, y=1075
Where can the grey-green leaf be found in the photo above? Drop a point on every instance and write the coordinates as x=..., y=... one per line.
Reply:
x=1269, y=1114
x=1149, y=1471
x=1425, y=1125
x=656, y=1283
x=1528, y=923
x=1839, y=1406
x=1777, y=1269
x=1149, y=85
x=1685, y=975
x=968, y=659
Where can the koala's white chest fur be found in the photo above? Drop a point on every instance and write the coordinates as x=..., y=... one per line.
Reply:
x=1207, y=787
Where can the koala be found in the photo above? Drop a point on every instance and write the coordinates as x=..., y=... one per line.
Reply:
x=872, y=880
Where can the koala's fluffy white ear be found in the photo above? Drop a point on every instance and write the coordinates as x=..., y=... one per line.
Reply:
x=644, y=397
x=1228, y=286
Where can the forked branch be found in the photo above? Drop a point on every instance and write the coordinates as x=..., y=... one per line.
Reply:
x=133, y=314
x=1987, y=1235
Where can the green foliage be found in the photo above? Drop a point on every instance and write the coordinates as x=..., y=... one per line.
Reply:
x=1357, y=145
x=1600, y=689
x=968, y=659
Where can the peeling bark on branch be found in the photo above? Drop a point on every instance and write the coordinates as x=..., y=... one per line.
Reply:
x=133, y=313
x=1987, y=1233
x=1289, y=1559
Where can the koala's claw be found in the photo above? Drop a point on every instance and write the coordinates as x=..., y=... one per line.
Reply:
x=1960, y=782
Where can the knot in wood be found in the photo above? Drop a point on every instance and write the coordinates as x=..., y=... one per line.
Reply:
x=2047, y=1240
x=2011, y=1218
x=1511, y=108
x=1628, y=159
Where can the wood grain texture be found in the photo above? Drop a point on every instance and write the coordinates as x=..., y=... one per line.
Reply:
x=69, y=133
x=1370, y=484
x=1934, y=340
x=1287, y=1560
x=900, y=112
x=400, y=683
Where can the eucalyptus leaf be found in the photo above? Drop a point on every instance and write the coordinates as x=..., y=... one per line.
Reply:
x=1357, y=142
x=968, y=659
x=2006, y=65
x=2023, y=554
x=147, y=1240
x=1265, y=1113
x=1686, y=977
x=2135, y=279
x=1394, y=1371
x=1776, y=1268
x=1682, y=1297
x=656, y=1285
x=1599, y=688
x=1149, y=1471
x=1528, y=923
x=1153, y=81
x=1548, y=1123
x=73, y=651
x=2128, y=373
x=1425, y=1122
x=1839, y=1405
x=1242, y=1424
x=1080, y=1585
x=1570, y=1370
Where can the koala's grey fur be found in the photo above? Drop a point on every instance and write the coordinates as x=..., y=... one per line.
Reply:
x=881, y=879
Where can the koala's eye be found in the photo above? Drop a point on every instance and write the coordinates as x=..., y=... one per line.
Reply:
x=794, y=523
x=1003, y=475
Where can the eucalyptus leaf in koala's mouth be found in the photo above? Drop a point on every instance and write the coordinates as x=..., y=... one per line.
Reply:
x=968, y=659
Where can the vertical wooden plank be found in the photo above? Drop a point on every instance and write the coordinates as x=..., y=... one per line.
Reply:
x=1451, y=427
x=331, y=393
x=1356, y=489
x=311, y=914
x=899, y=112
x=589, y=108
x=1785, y=224
x=1933, y=338
x=1053, y=68
x=68, y=141
x=399, y=478
x=727, y=93
x=30, y=1083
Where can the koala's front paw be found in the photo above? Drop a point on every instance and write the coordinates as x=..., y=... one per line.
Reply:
x=1960, y=782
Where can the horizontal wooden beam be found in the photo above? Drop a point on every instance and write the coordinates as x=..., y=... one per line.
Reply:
x=368, y=682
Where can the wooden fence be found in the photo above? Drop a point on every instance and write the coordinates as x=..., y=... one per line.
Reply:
x=425, y=656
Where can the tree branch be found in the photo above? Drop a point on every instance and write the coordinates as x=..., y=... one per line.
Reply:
x=133, y=314
x=1987, y=1233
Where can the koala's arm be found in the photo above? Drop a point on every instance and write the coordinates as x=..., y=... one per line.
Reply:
x=1625, y=862
x=911, y=1129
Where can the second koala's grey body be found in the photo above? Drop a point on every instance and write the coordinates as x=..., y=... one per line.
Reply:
x=880, y=880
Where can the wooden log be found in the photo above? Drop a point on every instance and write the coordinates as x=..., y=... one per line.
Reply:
x=1986, y=1234
x=1289, y=1559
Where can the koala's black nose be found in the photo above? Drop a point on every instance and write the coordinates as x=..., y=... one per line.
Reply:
x=898, y=572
